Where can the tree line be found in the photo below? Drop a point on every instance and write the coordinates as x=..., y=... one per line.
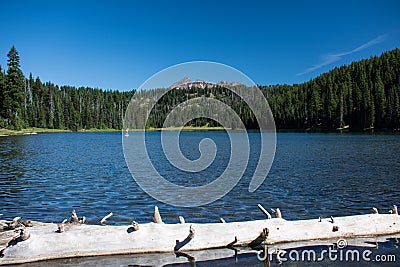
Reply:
x=359, y=96
x=362, y=95
x=28, y=102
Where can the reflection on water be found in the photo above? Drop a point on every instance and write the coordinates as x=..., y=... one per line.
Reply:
x=352, y=255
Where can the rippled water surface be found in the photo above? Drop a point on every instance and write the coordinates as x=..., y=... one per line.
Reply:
x=44, y=176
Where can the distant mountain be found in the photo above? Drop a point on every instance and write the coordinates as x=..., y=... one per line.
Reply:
x=186, y=82
x=226, y=83
x=181, y=83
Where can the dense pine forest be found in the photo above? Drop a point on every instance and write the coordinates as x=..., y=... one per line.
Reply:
x=28, y=102
x=361, y=96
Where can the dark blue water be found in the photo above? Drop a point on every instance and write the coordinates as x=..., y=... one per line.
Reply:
x=43, y=177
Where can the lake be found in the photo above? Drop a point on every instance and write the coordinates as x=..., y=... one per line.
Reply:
x=43, y=177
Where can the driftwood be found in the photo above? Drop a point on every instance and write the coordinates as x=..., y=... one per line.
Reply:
x=93, y=240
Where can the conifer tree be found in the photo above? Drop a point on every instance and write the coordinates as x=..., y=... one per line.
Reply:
x=13, y=93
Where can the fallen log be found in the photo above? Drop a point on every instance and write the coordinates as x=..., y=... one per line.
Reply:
x=79, y=240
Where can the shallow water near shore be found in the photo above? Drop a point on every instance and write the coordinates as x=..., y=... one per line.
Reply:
x=43, y=177
x=374, y=254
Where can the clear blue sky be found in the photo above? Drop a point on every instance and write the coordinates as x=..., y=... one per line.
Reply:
x=119, y=44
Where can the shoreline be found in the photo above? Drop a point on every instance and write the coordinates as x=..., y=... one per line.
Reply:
x=34, y=131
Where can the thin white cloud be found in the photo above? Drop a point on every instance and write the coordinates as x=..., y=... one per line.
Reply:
x=330, y=58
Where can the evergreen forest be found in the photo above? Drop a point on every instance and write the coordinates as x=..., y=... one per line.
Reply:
x=360, y=96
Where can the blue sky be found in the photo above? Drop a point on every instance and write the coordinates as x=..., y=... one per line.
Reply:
x=120, y=44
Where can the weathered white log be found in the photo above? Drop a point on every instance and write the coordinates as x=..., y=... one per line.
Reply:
x=157, y=216
x=222, y=220
x=181, y=219
x=93, y=240
x=102, y=221
x=264, y=211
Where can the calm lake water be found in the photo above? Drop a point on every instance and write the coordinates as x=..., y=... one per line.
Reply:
x=43, y=177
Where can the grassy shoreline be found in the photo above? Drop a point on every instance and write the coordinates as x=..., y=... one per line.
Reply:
x=185, y=129
x=30, y=131
x=34, y=130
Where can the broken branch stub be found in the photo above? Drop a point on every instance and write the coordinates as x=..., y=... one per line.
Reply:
x=24, y=234
x=135, y=226
x=13, y=224
x=74, y=217
x=102, y=221
x=157, y=216
x=394, y=210
x=264, y=211
x=277, y=213
x=60, y=228
x=181, y=244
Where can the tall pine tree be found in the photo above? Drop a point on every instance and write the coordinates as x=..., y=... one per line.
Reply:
x=13, y=93
x=2, y=88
